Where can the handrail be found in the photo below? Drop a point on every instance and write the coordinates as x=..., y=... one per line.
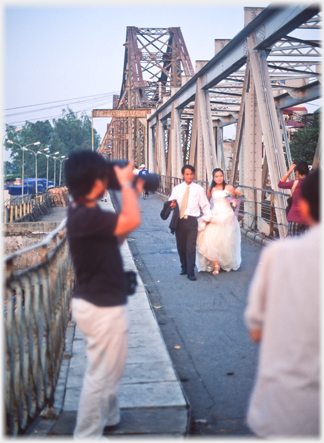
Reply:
x=35, y=322
x=49, y=237
x=22, y=209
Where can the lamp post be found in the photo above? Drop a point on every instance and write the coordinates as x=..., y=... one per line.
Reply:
x=61, y=160
x=9, y=132
x=53, y=155
x=22, y=168
x=46, y=155
x=35, y=154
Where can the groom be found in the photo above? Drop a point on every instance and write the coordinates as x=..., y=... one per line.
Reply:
x=191, y=199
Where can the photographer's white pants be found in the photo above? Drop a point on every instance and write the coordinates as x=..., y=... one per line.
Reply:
x=105, y=330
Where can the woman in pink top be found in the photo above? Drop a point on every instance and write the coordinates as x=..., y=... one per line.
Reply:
x=297, y=224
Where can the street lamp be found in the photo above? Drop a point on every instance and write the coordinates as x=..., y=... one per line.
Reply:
x=35, y=154
x=9, y=132
x=52, y=155
x=46, y=155
x=12, y=130
x=22, y=167
x=61, y=160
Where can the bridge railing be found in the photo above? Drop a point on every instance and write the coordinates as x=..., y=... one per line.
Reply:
x=36, y=312
x=20, y=209
x=257, y=212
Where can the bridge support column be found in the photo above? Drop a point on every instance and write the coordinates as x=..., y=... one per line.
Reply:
x=174, y=152
x=252, y=156
x=220, y=147
x=160, y=148
x=270, y=127
x=203, y=148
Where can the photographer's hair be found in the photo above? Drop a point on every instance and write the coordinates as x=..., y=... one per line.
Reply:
x=302, y=168
x=213, y=183
x=192, y=169
x=82, y=169
x=310, y=191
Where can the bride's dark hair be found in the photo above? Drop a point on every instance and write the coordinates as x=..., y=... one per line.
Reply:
x=213, y=183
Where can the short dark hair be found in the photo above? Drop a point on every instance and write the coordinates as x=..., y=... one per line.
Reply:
x=82, y=169
x=310, y=192
x=302, y=167
x=192, y=169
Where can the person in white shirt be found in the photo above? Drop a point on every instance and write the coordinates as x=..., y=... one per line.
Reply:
x=191, y=200
x=283, y=313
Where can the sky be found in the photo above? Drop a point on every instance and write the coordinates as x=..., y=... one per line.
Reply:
x=73, y=52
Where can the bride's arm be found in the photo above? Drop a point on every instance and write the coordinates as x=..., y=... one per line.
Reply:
x=230, y=188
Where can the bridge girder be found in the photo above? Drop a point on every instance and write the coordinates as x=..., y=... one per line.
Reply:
x=156, y=60
x=249, y=81
x=272, y=63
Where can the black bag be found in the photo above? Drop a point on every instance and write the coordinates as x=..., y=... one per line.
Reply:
x=289, y=203
x=289, y=199
x=131, y=282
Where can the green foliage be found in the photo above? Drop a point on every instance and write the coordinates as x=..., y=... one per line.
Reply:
x=305, y=139
x=11, y=171
x=65, y=135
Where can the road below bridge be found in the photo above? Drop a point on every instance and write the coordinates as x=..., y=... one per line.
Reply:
x=202, y=324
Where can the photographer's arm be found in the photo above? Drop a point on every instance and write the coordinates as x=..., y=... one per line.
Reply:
x=130, y=216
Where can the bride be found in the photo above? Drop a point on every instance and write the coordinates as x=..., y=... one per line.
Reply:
x=219, y=241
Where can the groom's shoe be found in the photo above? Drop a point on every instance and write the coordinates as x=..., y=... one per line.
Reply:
x=192, y=277
x=183, y=272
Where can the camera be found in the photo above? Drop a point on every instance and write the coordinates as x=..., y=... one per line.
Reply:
x=151, y=180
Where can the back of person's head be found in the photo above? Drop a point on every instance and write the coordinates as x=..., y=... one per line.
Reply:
x=302, y=167
x=192, y=169
x=310, y=191
x=82, y=169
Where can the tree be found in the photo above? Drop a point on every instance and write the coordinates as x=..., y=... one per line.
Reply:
x=65, y=135
x=305, y=139
x=11, y=170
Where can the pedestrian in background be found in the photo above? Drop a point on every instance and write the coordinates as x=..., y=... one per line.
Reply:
x=143, y=171
x=283, y=312
x=191, y=200
x=297, y=223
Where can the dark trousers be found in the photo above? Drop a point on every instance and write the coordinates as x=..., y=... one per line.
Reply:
x=186, y=236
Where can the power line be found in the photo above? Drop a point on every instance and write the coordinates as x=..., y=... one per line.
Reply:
x=58, y=101
x=95, y=102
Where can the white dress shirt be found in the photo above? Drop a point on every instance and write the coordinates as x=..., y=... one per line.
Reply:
x=197, y=200
x=284, y=302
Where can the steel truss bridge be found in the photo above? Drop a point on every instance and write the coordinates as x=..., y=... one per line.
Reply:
x=167, y=115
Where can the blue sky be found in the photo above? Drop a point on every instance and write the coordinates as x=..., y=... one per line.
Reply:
x=64, y=52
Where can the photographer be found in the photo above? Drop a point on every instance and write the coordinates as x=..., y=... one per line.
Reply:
x=100, y=296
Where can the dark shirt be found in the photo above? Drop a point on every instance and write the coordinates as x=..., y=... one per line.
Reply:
x=294, y=215
x=96, y=257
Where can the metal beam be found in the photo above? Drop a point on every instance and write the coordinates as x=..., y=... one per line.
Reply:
x=271, y=24
x=296, y=96
x=120, y=112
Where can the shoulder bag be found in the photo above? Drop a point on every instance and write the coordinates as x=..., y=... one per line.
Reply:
x=289, y=199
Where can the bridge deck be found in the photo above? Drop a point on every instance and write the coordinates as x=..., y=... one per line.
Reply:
x=150, y=394
x=215, y=363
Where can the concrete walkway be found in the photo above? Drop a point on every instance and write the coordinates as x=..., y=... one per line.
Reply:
x=150, y=395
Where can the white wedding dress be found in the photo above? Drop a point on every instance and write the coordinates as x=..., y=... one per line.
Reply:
x=221, y=239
